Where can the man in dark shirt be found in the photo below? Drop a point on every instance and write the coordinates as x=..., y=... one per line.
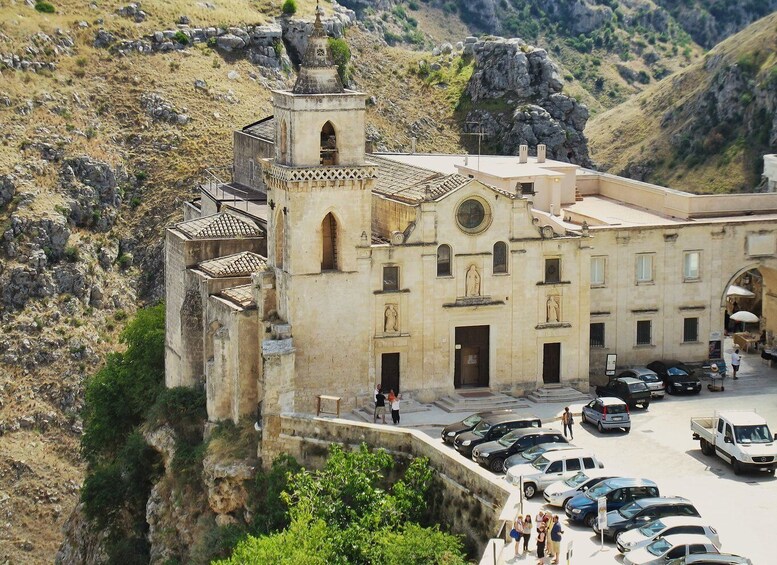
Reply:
x=380, y=405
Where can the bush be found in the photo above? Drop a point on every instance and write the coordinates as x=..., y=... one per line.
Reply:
x=289, y=7
x=72, y=254
x=181, y=37
x=341, y=54
x=45, y=7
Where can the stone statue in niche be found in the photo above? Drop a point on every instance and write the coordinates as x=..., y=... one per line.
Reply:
x=553, y=309
x=473, y=281
x=391, y=319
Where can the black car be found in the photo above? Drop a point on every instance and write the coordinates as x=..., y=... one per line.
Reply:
x=677, y=376
x=492, y=454
x=492, y=428
x=630, y=390
x=450, y=431
x=644, y=510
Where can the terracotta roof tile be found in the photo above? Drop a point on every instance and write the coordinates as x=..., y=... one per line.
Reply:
x=237, y=265
x=410, y=184
x=221, y=225
x=241, y=295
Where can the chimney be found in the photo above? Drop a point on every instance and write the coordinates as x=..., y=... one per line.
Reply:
x=541, y=153
x=413, y=141
x=523, y=153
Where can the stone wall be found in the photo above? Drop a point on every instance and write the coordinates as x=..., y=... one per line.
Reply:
x=469, y=499
x=247, y=152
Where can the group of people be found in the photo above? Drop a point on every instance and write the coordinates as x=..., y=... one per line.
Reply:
x=548, y=530
x=380, y=405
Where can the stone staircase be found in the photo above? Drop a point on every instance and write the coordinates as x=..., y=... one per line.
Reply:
x=478, y=400
x=558, y=393
x=578, y=196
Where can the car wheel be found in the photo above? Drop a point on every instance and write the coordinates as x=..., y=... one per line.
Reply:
x=617, y=533
x=529, y=490
x=599, y=427
x=497, y=465
x=737, y=466
x=564, y=505
x=589, y=520
x=645, y=405
x=706, y=448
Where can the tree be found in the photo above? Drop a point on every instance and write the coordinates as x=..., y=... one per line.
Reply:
x=341, y=54
x=289, y=7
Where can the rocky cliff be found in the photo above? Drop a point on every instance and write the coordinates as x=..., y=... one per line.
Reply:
x=514, y=97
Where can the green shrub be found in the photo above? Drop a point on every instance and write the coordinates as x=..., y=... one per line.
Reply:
x=72, y=254
x=413, y=5
x=181, y=37
x=124, y=261
x=341, y=54
x=45, y=7
x=289, y=7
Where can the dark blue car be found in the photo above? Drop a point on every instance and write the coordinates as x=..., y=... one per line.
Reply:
x=583, y=507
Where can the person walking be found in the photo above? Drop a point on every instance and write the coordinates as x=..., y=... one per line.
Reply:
x=555, y=540
x=541, y=536
x=395, y=409
x=380, y=406
x=567, y=421
x=527, y=526
x=736, y=359
x=375, y=401
x=517, y=532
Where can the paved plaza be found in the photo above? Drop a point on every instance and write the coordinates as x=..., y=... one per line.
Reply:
x=660, y=447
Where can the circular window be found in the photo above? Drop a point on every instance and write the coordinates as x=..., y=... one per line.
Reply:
x=473, y=215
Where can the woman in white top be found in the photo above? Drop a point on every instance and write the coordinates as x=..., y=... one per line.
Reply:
x=395, y=409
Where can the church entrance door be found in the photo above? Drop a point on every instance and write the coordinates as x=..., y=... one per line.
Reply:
x=471, y=364
x=389, y=372
x=551, y=363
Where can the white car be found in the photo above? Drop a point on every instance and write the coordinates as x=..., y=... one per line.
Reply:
x=631, y=540
x=558, y=493
x=549, y=468
x=662, y=550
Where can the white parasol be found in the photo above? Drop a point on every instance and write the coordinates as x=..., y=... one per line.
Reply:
x=744, y=316
x=735, y=290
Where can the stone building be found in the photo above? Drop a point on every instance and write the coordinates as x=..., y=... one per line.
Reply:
x=320, y=268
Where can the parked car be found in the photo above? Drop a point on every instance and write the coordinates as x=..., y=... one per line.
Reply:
x=632, y=391
x=650, y=378
x=645, y=510
x=532, y=453
x=618, y=492
x=549, y=468
x=492, y=428
x=638, y=538
x=663, y=549
x=450, y=431
x=561, y=492
x=711, y=559
x=676, y=376
x=607, y=413
x=492, y=454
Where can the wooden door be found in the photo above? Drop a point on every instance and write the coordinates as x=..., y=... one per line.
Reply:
x=551, y=363
x=471, y=360
x=389, y=372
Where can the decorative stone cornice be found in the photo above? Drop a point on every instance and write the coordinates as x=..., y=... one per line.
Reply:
x=304, y=179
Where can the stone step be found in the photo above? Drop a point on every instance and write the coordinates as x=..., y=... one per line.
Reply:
x=478, y=401
x=408, y=405
x=558, y=393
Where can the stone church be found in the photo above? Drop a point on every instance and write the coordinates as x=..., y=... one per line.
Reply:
x=319, y=268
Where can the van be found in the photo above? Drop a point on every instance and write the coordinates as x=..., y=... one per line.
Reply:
x=617, y=492
x=549, y=468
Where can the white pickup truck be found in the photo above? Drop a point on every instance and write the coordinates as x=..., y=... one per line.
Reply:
x=741, y=438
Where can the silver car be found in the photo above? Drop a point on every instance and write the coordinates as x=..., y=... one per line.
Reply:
x=607, y=413
x=631, y=540
x=650, y=378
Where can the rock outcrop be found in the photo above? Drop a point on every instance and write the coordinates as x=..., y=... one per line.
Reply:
x=83, y=543
x=93, y=188
x=516, y=98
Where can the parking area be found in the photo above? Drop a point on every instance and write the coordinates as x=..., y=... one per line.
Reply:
x=660, y=448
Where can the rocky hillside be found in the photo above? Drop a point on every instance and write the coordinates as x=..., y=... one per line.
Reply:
x=704, y=129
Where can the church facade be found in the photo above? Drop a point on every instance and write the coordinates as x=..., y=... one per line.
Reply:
x=322, y=269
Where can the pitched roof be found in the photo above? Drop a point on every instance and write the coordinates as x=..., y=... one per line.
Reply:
x=264, y=128
x=237, y=265
x=241, y=295
x=221, y=225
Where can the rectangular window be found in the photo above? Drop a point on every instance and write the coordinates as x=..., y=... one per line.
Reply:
x=598, y=265
x=690, y=330
x=390, y=278
x=597, y=334
x=691, y=265
x=552, y=270
x=645, y=268
x=644, y=330
x=527, y=187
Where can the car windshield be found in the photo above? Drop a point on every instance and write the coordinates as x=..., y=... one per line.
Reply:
x=617, y=408
x=576, y=480
x=533, y=452
x=630, y=510
x=651, y=529
x=599, y=490
x=540, y=463
x=637, y=387
x=753, y=434
x=676, y=372
x=650, y=378
x=482, y=428
x=471, y=421
x=508, y=439
x=659, y=547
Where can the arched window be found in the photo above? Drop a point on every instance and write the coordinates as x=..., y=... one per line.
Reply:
x=279, y=236
x=329, y=243
x=500, y=257
x=328, y=145
x=284, y=156
x=444, y=261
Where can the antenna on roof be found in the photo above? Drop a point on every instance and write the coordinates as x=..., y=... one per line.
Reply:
x=479, y=134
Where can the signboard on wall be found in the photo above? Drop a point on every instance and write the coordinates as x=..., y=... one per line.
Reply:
x=716, y=343
x=610, y=367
